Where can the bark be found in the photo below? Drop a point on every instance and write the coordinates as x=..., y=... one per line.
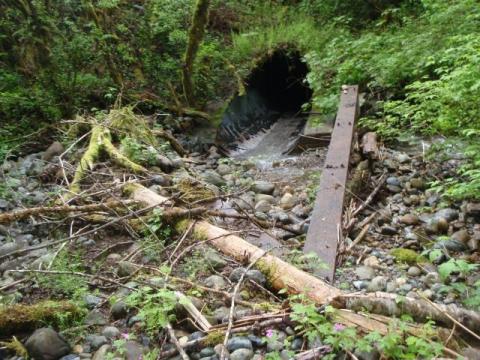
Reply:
x=195, y=37
x=370, y=145
x=171, y=139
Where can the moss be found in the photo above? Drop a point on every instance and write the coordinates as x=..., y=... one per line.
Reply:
x=16, y=347
x=406, y=256
x=267, y=269
x=193, y=190
x=17, y=318
x=214, y=338
x=200, y=235
x=182, y=226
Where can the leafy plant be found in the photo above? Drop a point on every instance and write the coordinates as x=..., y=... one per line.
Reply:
x=155, y=307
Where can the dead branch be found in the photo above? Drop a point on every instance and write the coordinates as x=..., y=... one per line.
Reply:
x=61, y=210
x=174, y=143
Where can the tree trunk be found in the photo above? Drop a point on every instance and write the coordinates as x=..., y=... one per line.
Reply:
x=195, y=37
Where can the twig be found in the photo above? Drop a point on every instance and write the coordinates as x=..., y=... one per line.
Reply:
x=174, y=339
x=359, y=238
x=232, y=306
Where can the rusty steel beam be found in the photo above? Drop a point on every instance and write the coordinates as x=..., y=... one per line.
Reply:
x=325, y=231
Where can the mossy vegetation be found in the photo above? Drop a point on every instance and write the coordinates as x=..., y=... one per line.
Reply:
x=406, y=256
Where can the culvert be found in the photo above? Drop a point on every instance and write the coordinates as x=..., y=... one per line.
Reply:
x=275, y=89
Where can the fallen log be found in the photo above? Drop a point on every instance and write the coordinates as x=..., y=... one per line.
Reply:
x=19, y=317
x=9, y=217
x=281, y=275
x=172, y=141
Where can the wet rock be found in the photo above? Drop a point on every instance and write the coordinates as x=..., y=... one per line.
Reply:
x=206, y=352
x=268, y=198
x=297, y=344
x=46, y=344
x=215, y=281
x=95, y=317
x=402, y=158
x=288, y=201
x=409, y=219
x=10, y=247
x=414, y=271
x=378, y=283
x=256, y=341
x=221, y=314
x=394, y=189
x=239, y=342
x=119, y=310
x=448, y=214
x=213, y=178
x=241, y=354
x=111, y=332
x=96, y=341
x=55, y=149
x=365, y=272
x=473, y=243
x=436, y=226
x=263, y=187
x=461, y=236
x=70, y=357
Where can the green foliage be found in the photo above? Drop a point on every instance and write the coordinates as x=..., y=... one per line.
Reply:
x=396, y=344
x=155, y=307
x=71, y=286
x=455, y=266
x=405, y=255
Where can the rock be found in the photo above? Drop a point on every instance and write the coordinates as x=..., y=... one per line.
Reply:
x=113, y=258
x=448, y=214
x=96, y=341
x=392, y=180
x=70, y=357
x=164, y=163
x=55, y=149
x=268, y=198
x=10, y=247
x=95, y=317
x=471, y=353
x=473, y=243
x=378, y=283
x=360, y=285
x=288, y=201
x=417, y=183
x=436, y=226
x=160, y=180
x=254, y=275
x=133, y=351
x=263, y=187
x=111, y=332
x=91, y=301
x=372, y=355
x=473, y=210
x=372, y=261
x=404, y=255
x=394, y=189
x=101, y=353
x=220, y=314
x=215, y=281
x=119, y=310
x=263, y=206
x=224, y=169
x=239, y=342
x=452, y=245
x=414, y=271
x=241, y=354
x=274, y=345
x=206, y=352
x=46, y=344
x=125, y=268
x=388, y=230
x=365, y=272
x=409, y=219
x=402, y=158
x=214, y=259
x=256, y=341
x=297, y=344
x=213, y=178
x=461, y=236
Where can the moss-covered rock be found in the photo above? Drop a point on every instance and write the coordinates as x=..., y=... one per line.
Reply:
x=405, y=256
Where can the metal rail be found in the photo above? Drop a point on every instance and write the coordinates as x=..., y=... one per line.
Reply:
x=325, y=231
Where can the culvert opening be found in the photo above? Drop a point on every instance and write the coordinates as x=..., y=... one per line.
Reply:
x=275, y=89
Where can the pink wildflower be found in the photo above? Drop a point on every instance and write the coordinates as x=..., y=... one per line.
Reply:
x=125, y=336
x=269, y=333
x=338, y=327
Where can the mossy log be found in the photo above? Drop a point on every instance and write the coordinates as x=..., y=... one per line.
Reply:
x=100, y=140
x=19, y=318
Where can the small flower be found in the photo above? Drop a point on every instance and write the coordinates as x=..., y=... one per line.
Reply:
x=125, y=336
x=338, y=327
x=269, y=333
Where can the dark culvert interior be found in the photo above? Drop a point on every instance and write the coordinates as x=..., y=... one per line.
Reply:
x=275, y=88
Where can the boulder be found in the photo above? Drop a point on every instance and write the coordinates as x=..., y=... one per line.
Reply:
x=47, y=344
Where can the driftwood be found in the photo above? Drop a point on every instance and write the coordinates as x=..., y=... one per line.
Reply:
x=282, y=275
x=9, y=217
x=370, y=145
x=171, y=139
